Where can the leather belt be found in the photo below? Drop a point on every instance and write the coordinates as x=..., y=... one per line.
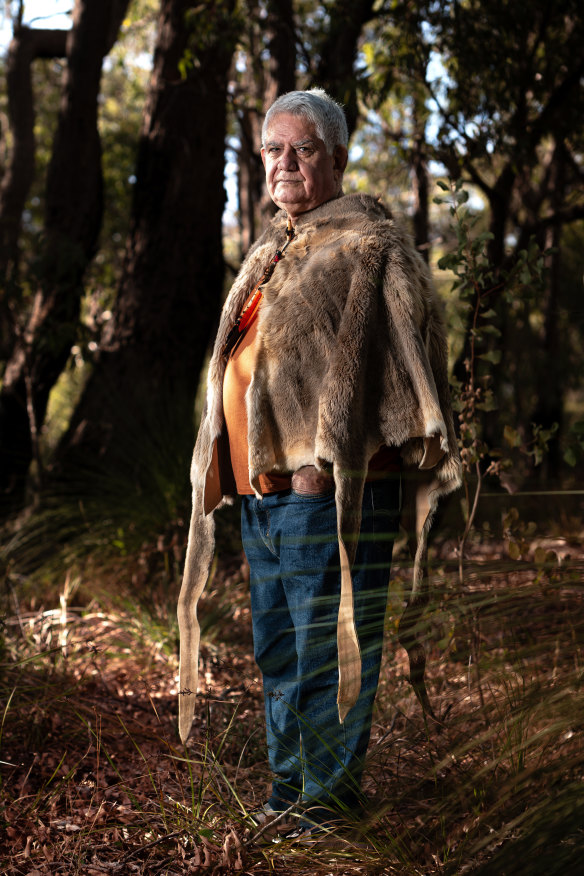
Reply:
x=309, y=481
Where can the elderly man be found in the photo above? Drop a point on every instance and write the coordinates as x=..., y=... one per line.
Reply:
x=326, y=387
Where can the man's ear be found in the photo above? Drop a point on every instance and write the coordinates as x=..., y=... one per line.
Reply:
x=340, y=158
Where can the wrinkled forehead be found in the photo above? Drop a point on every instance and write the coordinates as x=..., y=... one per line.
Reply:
x=292, y=128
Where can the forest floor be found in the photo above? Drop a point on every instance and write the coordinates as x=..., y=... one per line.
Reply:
x=94, y=780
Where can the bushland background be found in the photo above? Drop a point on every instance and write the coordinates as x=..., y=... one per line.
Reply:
x=130, y=189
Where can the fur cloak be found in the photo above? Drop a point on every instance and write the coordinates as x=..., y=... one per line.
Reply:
x=351, y=356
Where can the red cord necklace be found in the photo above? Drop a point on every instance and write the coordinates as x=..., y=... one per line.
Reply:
x=249, y=312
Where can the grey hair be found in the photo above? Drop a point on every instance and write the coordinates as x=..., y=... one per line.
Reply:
x=318, y=107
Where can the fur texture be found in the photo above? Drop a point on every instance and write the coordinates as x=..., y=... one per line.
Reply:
x=352, y=355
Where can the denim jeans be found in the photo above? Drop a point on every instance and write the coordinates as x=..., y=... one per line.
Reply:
x=291, y=544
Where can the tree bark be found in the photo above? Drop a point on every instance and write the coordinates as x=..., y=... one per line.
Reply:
x=248, y=105
x=135, y=417
x=72, y=223
x=281, y=33
x=250, y=176
x=421, y=184
x=25, y=47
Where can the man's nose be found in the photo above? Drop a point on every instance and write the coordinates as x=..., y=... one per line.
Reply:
x=288, y=161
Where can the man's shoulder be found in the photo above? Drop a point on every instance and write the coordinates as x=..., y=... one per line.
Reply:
x=369, y=206
x=368, y=218
x=358, y=221
x=363, y=223
x=356, y=209
x=378, y=240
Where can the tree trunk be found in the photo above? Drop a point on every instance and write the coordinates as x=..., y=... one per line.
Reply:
x=421, y=187
x=281, y=33
x=73, y=220
x=250, y=176
x=338, y=53
x=551, y=383
x=248, y=105
x=135, y=417
x=261, y=85
x=25, y=47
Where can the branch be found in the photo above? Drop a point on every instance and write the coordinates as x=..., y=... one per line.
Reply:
x=446, y=156
x=42, y=42
x=26, y=46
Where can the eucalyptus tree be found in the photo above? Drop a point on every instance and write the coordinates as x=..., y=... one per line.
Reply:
x=73, y=210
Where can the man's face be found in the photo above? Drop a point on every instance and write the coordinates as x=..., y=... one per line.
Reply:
x=300, y=174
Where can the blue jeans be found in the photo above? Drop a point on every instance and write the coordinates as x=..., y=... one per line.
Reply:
x=290, y=541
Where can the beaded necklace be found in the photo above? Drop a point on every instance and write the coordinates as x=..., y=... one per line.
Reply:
x=249, y=312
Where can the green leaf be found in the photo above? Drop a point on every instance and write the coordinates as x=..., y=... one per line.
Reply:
x=442, y=185
x=447, y=261
x=490, y=330
x=493, y=356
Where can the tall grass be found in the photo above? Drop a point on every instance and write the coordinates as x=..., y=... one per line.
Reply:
x=94, y=778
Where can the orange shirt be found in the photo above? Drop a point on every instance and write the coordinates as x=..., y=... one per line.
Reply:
x=236, y=381
x=238, y=374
